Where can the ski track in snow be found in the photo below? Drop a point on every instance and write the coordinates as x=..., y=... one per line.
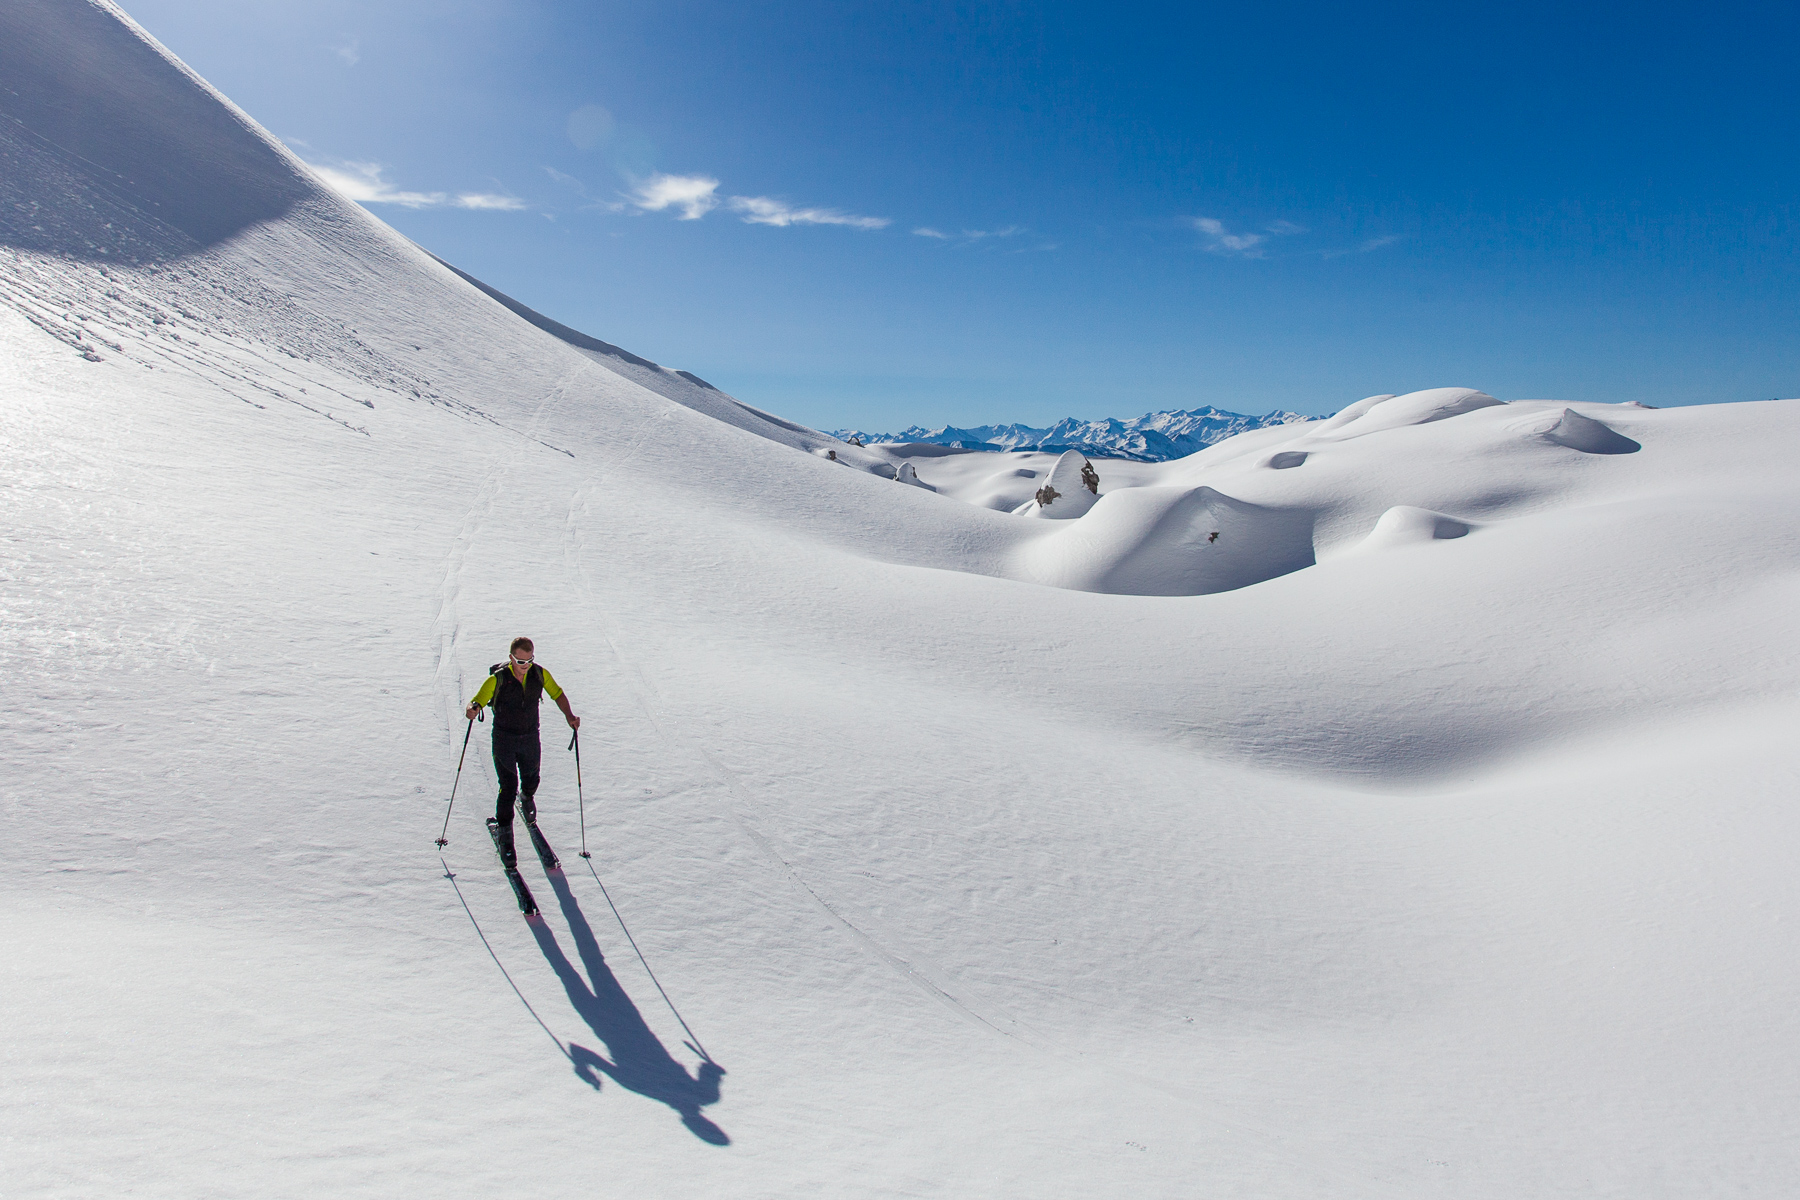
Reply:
x=915, y=969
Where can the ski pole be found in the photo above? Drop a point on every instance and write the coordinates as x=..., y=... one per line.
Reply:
x=575, y=745
x=443, y=838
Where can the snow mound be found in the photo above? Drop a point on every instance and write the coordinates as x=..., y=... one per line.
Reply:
x=1169, y=541
x=909, y=474
x=1404, y=525
x=1589, y=436
x=1393, y=412
x=1070, y=490
x=1407, y=874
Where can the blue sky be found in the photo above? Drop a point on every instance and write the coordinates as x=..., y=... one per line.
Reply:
x=872, y=215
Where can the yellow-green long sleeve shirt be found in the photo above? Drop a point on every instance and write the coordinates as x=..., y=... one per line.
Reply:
x=484, y=695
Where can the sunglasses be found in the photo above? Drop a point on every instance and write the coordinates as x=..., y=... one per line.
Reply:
x=522, y=662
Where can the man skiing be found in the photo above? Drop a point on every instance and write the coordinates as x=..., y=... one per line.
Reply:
x=515, y=688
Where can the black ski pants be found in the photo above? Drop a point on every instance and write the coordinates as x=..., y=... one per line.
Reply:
x=516, y=758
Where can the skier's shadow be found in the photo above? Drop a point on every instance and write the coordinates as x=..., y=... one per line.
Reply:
x=639, y=1062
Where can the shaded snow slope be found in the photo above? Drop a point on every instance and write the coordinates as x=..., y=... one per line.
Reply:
x=114, y=153
x=1443, y=866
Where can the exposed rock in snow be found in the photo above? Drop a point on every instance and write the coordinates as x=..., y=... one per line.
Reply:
x=907, y=473
x=1065, y=493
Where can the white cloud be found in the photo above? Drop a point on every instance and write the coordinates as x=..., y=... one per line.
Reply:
x=692, y=194
x=1220, y=239
x=760, y=210
x=350, y=50
x=1225, y=242
x=362, y=182
x=968, y=237
x=488, y=200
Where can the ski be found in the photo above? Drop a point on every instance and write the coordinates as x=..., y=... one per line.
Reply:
x=545, y=854
x=527, y=905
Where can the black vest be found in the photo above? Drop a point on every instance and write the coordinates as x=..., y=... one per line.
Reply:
x=515, y=703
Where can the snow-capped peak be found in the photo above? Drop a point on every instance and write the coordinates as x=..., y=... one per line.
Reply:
x=1153, y=437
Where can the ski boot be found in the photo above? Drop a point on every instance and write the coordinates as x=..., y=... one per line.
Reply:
x=528, y=809
x=503, y=840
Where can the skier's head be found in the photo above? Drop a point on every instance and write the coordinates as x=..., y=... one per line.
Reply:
x=522, y=651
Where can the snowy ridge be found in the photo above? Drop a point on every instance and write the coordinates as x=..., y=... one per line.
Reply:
x=1394, y=805
x=1153, y=437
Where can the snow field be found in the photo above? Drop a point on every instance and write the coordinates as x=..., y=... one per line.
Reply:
x=1439, y=866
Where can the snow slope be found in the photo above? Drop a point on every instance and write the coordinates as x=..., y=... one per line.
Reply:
x=1408, y=865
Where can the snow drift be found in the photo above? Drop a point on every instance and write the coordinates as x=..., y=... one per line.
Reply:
x=1441, y=865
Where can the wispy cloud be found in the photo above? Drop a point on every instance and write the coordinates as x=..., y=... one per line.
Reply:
x=968, y=237
x=488, y=200
x=1223, y=241
x=362, y=182
x=567, y=181
x=580, y=189
x=761, y=210
x=692, y=195
x=1362, y=247
x=350, y=50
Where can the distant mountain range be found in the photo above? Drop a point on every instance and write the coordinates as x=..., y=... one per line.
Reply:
x=1153, y=437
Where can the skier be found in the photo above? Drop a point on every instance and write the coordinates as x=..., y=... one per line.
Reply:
x=515, y=688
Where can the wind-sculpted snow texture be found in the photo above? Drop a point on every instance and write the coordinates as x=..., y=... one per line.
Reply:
x=1153, y=437
x=1395, y=805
